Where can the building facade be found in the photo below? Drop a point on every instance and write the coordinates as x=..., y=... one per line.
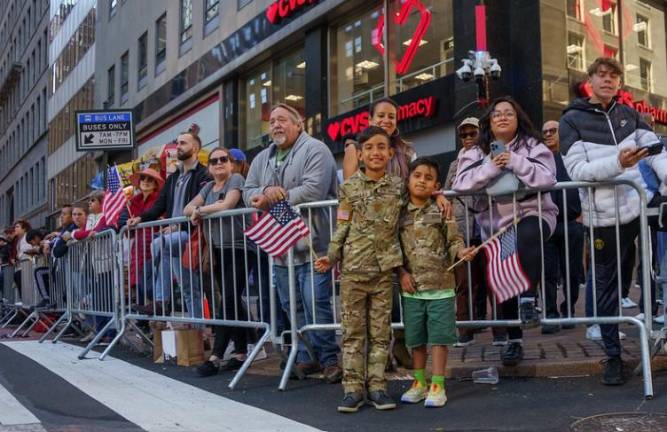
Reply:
x=71, y=87
x=23, y=110
x=223, y=63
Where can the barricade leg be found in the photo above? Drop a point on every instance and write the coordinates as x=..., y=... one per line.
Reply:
x=140, y=332
x=251, y=357
x=8, y=318
x=38, y=318
x=119, y=334
x=96, y=339
x=293, y=324
x=25, y=321
x=53, y=327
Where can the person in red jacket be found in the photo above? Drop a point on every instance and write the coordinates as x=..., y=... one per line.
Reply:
x=149, y=182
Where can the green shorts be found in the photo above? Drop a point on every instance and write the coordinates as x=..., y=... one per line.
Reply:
x=429, y=322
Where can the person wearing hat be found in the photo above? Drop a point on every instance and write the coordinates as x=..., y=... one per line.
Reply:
x=149, y=183
x=468, y=133
x=240, y=163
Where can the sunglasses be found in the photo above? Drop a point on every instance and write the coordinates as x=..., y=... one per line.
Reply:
x=464, y=135
x=219, y=160
x=145, y=178
x=552, y=131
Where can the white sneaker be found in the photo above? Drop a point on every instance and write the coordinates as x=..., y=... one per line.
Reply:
x=659, y=319
x=627, y=303
x=640, y=316
x=659, y=301
x=593, y=333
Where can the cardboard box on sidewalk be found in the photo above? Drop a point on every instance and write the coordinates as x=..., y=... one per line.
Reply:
x=186, y=345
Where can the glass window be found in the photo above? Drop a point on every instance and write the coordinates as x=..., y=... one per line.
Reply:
x=575, y=51
x=210, y=10
x=160, y=43
x=186, y=20
x=574, y=9
x=608, y=13
x=642, y=29
x=645, y=74
x=269, y=84
x=124, y=77
x=357, y=68
x=434, y=55
x=242, y=3
x=142, y=60
x=111, y=85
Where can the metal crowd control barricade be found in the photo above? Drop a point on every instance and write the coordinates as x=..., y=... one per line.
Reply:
x=92, y=292
x=62, y=282
x=227, y=283
x=612, y=187
x=8, y=307
x=31, y=296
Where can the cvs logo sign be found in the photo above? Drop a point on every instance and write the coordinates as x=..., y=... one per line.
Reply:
x=281, y=9
x=355, y=123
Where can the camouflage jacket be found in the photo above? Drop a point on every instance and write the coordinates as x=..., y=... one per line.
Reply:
x=366, y=238
x=430, y=246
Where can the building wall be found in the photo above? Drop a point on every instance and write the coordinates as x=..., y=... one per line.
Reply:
x=23, y=125
x=71, y=87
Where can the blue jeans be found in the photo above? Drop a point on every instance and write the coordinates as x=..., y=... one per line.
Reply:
x=167, y=251
x=323, y=342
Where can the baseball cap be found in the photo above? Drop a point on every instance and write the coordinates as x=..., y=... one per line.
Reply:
x=469, y=121
x=237, y=154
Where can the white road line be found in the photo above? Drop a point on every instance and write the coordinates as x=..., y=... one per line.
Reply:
x=150, y=400
x=12, y=412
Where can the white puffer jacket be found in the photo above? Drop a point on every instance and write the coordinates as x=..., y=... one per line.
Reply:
x=591, y=140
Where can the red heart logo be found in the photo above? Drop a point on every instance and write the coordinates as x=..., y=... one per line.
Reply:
x=400, y=19
x=272, y=13
x=333, y=129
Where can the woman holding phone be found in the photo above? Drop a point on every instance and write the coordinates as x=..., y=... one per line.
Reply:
x=510, y=147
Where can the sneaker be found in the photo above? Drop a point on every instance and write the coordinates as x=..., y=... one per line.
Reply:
x=627, y=303
x=593, y=333
x=528, y=315
x=499, y=341
x=659, y=319
x=302, y=370
x=105, y=341
x=464, y=341
x=613, y=372
x=659, y=301
x=333, y=374
x=232, y=364
x=436, y=397
x=207, y=369
x=415, y=394
x=351, y=403
x=381, y=400
x=512, y=354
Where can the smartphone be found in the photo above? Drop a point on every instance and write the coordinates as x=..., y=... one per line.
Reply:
x=653, y=149
x=497, y=147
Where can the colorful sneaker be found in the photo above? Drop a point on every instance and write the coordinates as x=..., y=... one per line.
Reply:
x=436, y=397
x=415, y=394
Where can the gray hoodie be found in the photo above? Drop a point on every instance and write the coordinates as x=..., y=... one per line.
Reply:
x=308, y=174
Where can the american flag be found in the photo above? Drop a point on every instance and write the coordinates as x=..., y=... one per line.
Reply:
x=278, y=229
x=503, y=271
x=114, y=197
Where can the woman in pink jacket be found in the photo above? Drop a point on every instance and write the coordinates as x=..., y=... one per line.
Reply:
x=533, y=164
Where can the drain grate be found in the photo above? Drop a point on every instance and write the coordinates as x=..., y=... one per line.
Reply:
x=622, y=422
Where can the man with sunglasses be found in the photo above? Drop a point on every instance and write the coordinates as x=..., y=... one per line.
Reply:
x=561, y=262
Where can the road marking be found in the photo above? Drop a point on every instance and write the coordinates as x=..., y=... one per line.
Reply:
x=150, y=400
x=12, y=412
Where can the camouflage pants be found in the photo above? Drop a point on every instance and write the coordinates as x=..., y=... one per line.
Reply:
x=366, y=316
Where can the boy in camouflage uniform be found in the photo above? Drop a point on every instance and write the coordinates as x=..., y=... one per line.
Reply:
x=366, y=241
x=430, y=245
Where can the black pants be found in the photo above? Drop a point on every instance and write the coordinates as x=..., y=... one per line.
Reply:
x=530, y=256
x=606, y=276
x=555, y=267
x=233, y=280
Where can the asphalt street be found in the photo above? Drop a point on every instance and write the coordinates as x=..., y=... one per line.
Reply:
x=129, y=392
